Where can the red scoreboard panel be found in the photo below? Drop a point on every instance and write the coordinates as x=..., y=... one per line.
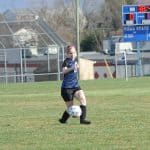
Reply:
x=135, y=15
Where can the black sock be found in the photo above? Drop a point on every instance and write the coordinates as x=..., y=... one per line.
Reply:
x=64, y=117
x=83, y=115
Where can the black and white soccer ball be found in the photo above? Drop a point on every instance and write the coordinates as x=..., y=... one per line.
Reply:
x=74, y=111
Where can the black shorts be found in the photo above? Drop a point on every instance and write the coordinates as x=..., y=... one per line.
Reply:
x=68, y=94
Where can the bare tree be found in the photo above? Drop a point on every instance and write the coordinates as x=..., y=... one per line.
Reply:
x=103, y=18
x=63, y=19
x=91, y=9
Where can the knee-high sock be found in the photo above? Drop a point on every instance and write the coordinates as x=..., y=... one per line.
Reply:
x=65, y=116
x=83, y=115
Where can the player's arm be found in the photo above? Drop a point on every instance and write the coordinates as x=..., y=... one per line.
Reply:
x=67, y=70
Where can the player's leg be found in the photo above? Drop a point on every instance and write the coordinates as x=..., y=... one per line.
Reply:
x=81, y=97
x=65, y=115
x=67, y=95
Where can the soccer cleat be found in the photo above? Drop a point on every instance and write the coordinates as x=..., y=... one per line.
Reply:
x=62, y=121
x=85, y=122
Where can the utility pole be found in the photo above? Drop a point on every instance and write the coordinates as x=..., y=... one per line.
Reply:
x=78, y=33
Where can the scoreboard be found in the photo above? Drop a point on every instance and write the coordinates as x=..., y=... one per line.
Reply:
x=136, y=33
x=136, y=23
x=135, y=15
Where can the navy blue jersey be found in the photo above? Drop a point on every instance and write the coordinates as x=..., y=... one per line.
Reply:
x=71, y=78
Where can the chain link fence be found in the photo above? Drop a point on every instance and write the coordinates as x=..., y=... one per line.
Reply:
x=29, y=48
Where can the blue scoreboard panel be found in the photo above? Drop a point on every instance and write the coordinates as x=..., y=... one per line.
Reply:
x=136, y=22
x=136, y=33
x=135, y=15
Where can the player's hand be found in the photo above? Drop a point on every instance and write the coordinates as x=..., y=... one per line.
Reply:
x=76, y=66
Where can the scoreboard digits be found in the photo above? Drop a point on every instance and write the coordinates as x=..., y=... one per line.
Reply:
x=144, y=8
x=135, y=15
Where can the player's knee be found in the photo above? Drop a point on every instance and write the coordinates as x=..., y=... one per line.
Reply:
x=82, y=100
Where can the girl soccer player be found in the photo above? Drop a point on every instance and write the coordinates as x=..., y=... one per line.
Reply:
x=70, y=87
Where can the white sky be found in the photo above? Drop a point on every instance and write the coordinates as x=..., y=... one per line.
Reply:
x=14, y=4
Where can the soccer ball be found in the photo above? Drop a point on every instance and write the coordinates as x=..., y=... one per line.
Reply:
x=74, y=111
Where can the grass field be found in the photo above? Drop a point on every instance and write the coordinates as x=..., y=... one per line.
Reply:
x=119, y=111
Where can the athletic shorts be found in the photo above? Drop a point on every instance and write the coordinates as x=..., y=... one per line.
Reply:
x=68, y=94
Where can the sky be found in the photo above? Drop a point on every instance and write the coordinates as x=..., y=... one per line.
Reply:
x=15, y=4
x=18, y=4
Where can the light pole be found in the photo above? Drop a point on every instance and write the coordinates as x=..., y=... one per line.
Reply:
x=77, y=32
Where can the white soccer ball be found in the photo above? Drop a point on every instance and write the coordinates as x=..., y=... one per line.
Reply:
x=74, y=111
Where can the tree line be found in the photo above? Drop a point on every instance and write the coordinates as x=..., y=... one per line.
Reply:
x=98, y=20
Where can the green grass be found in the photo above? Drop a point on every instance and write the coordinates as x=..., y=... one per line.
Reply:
x=119, y=111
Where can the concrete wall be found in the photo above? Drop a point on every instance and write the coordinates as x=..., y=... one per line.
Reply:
x=103, y=71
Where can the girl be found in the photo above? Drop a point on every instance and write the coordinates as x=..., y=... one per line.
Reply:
x=70, y=87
